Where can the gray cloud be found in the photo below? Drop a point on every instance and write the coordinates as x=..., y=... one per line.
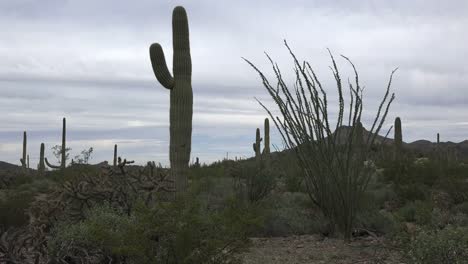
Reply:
x=88, y=61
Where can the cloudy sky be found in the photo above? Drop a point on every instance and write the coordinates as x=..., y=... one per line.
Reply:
x=88, y=61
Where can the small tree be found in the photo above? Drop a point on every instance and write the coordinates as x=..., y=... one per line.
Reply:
x=335, y=171
x=57, y=151
x=84, y=157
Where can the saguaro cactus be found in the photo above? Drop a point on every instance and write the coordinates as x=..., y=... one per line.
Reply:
x=63, y=151
x=23, y=159
x=398, y=138
x=256, y=145
x=181, y=96
x=266, y=148
x=41, y=165
x=115, y=155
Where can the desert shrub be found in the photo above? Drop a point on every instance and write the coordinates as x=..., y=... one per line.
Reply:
x=176, y=232
x=13, y=208
x=212, y=192
x=461, y=208
x=407, y=172
x=377, y=221
x=294, y=182
x=377, y=194
x=412, y=192
x=292, y=214
x=457, y=188
x=418, y=211
x=371, y=217
x=254, y=182
x=447, y=246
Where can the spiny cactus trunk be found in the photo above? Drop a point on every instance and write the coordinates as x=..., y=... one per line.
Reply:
x=23, y=159
x=256, y=146
x=266, y=147
x=41, y=165
x=181, y=96
x=62, y=165
x=115, y=155
x=398, y=139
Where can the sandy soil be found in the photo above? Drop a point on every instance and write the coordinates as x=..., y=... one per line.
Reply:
x=315, y=249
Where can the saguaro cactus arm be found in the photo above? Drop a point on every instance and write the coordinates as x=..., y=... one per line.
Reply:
x=158, y=61
x=50, y=165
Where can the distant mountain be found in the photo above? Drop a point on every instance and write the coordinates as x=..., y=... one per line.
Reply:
x=421, y=146
x=5, y=166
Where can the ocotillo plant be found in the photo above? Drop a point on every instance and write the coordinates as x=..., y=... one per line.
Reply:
x=41, y=165
x=334, y=184
x=115, y=155
x=63, y=151
x=398, y=139
x=181, y=96
x=23, y=159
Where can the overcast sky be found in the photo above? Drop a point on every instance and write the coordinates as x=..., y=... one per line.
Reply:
x=88, y=61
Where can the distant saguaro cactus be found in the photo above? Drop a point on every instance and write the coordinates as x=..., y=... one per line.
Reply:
x=23, y=159
x=63, y=151
x=181, y=96
x=115, y=155
x=256, y=145
x=41, y=165
x=266, y=148
x=398, y=138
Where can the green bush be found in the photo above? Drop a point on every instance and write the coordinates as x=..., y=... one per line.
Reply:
x=419, y=212
x=292, y=214
x=13, y=208
x=175, y=232
x=380, y=222
x=412, y=192
x=447, y=246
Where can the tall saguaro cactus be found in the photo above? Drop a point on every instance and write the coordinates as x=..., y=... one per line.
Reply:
x=41, y=165
x=115, y=155
x=23, y=159
x=398, y=138
x=181, y=96
x=266, y=148
x=63, y=151
x=256, y=145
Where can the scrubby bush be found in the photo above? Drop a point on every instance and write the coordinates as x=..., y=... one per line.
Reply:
x=13, y=206
x=176, y=232
x=447, y=246
x=418, y=211
x=292, y=214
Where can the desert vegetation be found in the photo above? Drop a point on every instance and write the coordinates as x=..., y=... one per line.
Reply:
x=337, y=192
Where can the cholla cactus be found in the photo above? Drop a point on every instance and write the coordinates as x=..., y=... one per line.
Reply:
x=181, y=96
